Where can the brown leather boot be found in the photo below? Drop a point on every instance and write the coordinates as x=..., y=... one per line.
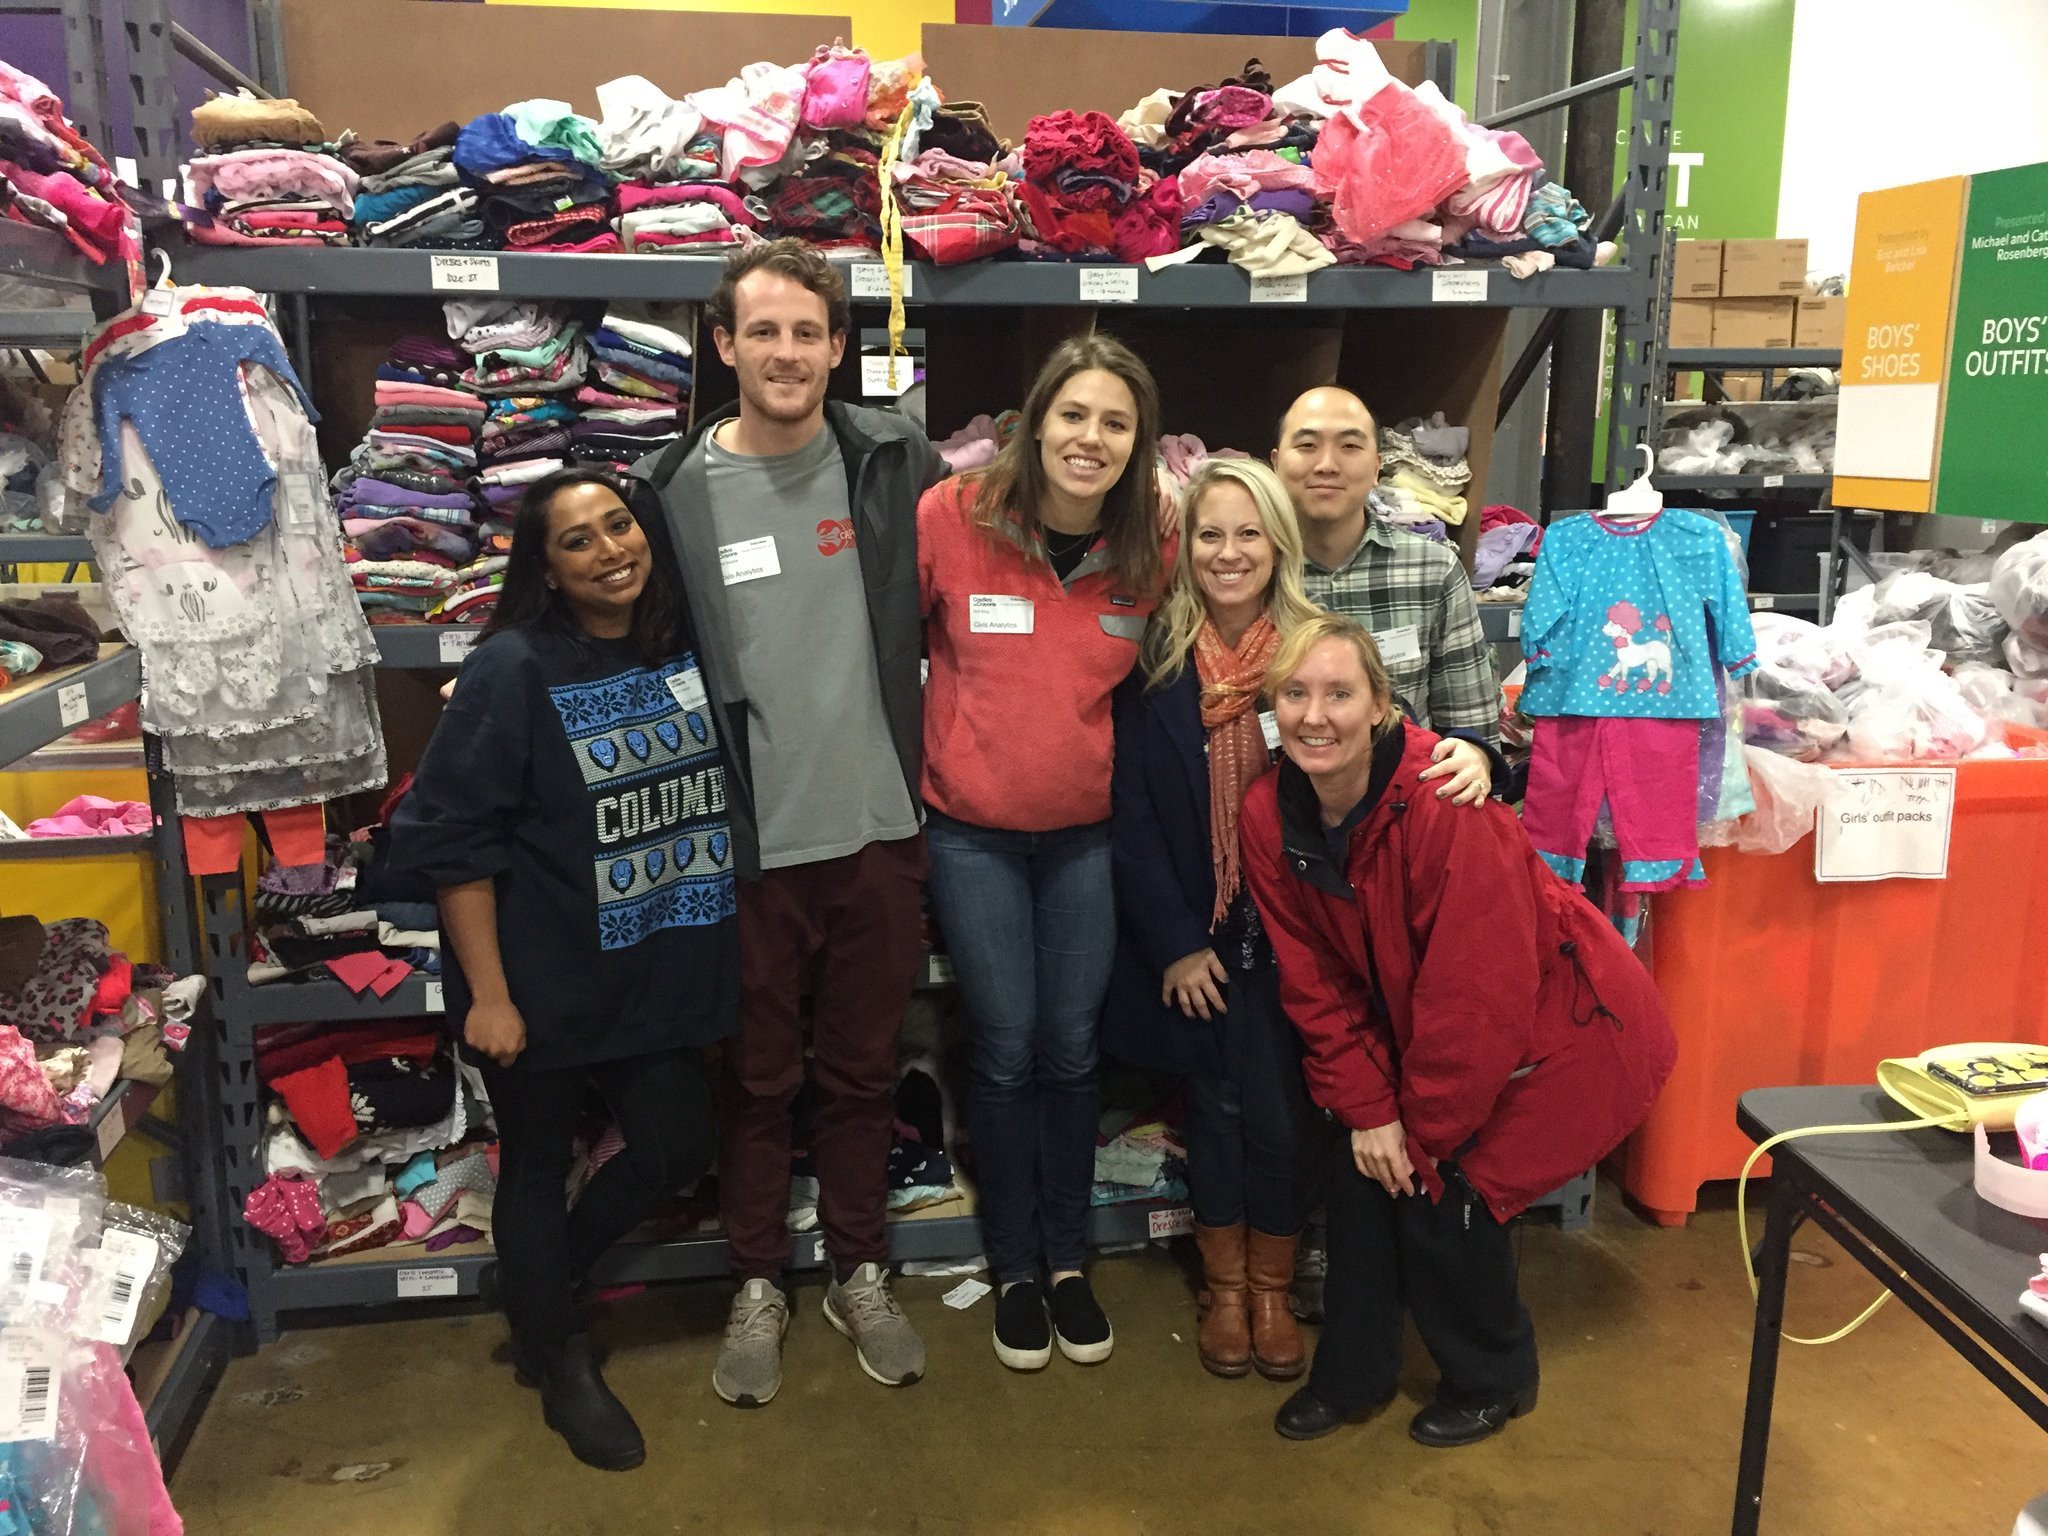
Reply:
x=1276, y=1338
x=1226, y=1337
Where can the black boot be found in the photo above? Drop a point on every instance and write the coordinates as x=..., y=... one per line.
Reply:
x=1304, y=1416
x=580, y=1408
x=1447, y=1427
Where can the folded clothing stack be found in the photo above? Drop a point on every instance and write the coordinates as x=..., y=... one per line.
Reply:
x=639, y=389
x=1423, y=472
x=955, y=210
x=682, y=216
x=833, y=200
x=412, y=195
x=537, y=168
x=51, y=177
x=268, y=177
x=409, y=516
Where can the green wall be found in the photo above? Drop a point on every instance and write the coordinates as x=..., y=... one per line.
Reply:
x=1447, y=21
x=1734, y=68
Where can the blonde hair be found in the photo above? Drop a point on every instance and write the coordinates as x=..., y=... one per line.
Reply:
x=1295, y=646
x=1171, y=636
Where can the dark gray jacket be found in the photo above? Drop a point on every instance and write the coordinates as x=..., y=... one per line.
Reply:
x=889, y=465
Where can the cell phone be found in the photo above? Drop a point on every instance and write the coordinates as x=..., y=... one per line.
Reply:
x=1993, y=1076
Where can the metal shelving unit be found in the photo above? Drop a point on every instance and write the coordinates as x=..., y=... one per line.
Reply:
x=309, y=276
x=1685, y=359
x=1502, y=622
x=37, y=711
x=1742, y=482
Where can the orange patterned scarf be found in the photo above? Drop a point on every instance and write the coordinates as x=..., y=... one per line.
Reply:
x=1231, y=680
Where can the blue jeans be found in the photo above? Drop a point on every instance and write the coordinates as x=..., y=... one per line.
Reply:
x=1029, y=919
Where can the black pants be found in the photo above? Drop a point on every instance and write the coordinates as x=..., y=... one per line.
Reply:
x=662, y=1102
x=1247, y=1125
x=1449, y=1262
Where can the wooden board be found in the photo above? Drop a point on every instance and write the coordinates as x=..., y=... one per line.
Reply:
x=391, y=69
x=1019, y=73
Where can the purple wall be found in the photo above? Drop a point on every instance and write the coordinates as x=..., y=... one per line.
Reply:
x=36, y=44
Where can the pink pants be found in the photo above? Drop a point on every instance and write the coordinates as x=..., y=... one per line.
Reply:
x=1646, y=772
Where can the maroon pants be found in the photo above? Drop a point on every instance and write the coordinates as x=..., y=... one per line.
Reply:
x=852, y=927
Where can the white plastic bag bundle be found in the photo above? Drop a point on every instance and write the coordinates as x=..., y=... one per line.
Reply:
x=1788, y=797
x=2019, y=591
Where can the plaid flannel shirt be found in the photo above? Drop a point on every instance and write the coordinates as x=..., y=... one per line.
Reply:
x=1396, y=580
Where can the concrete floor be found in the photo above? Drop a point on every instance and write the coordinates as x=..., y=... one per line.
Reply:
x=410, y=1429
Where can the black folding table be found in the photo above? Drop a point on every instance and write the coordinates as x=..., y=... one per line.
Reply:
x=1903, y=1204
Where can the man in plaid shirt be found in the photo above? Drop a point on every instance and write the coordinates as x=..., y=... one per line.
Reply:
x=1412, y=593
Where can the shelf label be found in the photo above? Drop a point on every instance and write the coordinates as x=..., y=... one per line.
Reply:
x=1109, y=285
x=870, y=280
x=874, y=376
x=1280, y=290
x=71, y=706
x=813, y=1249
x=428, y=1280
x=435, y=1002
x=113, y=1126
x=1514, y=623
x=1772, y=482
x=456, y=645
x=940, y=968
x=1759, y=602
x=1457, y=285
x=1885, y=824
x=1175, y=1221
x=465, y=274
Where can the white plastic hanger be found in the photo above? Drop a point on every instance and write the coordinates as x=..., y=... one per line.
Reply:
x=1638, y=501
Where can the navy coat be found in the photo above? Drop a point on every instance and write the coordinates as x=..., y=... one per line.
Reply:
x=1165, y=878
x=1164, y=872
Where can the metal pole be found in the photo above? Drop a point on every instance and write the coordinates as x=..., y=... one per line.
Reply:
x=216, y=66
x=1612, y=81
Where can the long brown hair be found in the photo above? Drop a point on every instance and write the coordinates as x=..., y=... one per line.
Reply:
x=1013, y=489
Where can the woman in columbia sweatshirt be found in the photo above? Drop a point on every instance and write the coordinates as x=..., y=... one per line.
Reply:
x=1036, y=578
x=570, y=811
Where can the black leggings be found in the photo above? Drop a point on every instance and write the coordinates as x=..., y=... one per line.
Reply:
x=662, y=1102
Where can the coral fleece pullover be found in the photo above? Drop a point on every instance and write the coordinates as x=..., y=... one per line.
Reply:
x=1016, y=711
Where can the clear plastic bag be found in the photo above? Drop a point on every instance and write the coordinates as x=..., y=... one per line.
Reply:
x=1790, y=712
x=48, y=1216
x=2019, y=590
x=1914, y=717
x=1788, y=798
x=129, y=1273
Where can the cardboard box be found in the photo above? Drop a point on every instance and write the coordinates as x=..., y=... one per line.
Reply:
x=1757, y=269
x=1696, y=269
x=1753, y=322
x=1742, y=386
x=1692, y=323
x=1819, y=321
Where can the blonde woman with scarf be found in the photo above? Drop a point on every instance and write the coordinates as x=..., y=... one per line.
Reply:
x=1194, y=990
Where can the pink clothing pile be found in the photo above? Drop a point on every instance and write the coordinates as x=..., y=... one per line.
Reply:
x=90, y=816
x=271, y=197
x=51, y=177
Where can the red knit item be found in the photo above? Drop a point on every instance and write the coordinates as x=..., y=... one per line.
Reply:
x=318, y=1101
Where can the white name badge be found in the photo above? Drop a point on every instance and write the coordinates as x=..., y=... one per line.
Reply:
x=1271, y=727
x=1399, y=645
x=989, y=614
x=748, y=560
x=688, y=688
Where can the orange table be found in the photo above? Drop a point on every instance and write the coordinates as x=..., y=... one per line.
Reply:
x=1774, y=979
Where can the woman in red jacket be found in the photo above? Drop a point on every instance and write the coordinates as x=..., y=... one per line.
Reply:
x=1478, y=1029
x=1036, y=579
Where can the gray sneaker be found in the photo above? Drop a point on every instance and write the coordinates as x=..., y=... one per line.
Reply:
x=863, y=1310
x=749, y=1369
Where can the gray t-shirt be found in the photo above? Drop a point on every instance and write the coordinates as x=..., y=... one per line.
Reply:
x=827, y=780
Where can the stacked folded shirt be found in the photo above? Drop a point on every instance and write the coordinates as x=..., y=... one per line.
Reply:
x=639, y=388
x=413, y=195
x=268, y=177
x=1423, y=470
x=681, y=215
x=537, y=169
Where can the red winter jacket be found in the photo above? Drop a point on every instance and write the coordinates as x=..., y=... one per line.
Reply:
x=1447, y=979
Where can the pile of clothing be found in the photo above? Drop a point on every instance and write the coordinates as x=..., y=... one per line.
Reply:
x=638, y=392
x=52, y=178
x=412, y=195
x=410, y=520
x=1505, y=562
x=344, y=917
x=51, y=630
x=375, y=1136
x=1138, y=1157
x=1423, y=474
x=537, y=169
x=267, y=176
x=76, y=1015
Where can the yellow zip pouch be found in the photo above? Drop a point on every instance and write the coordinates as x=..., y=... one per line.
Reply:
x=1961, y=1086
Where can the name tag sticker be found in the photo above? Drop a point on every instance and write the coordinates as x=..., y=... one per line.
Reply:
x=688, y=688
x=990, y=614
x=748, y=560
x=1399, y=645
x=1271, y=727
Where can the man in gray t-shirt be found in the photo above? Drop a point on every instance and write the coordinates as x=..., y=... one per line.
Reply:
x=827, y=781
x=794, y=521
